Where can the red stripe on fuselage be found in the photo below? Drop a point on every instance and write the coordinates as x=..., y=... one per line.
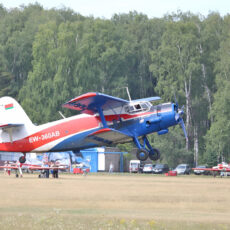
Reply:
x=49, y=134
x=131, y=116
x=125, y=116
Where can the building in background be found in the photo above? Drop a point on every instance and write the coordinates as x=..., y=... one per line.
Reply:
x=97, y=159
x=8, y=156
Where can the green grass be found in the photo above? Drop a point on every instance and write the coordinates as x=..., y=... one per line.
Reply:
x=114, y=201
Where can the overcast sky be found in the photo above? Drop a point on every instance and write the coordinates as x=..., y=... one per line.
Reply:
x=153, y=8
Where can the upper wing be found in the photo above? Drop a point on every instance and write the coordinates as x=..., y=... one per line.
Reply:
x=48, y=168
x=90, y=102
x=213, y=169
x=204, y=169
x=8, y=167
x=147, y=99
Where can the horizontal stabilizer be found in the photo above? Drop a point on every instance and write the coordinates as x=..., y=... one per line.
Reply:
x=9, y=129
x=8, y=126
x=108, y=136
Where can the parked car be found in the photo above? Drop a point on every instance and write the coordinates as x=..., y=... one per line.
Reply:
x=160, y=168
x=183, y=169
x=200, y=172
x=148, y=168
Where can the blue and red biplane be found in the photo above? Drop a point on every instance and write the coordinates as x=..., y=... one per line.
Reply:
x=105, y=120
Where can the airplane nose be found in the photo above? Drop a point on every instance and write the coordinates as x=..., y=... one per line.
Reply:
x=179, y=113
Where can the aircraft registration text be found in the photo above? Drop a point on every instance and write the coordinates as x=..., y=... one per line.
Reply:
x=44, y=136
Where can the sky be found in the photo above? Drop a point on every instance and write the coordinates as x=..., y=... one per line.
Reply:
x=107, y=8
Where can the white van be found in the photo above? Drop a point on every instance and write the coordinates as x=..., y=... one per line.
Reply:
x=134, y=166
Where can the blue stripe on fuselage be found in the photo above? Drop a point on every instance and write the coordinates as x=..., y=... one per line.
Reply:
x=75, y=142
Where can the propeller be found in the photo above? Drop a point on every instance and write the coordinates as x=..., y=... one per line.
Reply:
x=179, y=117
x=176, y=102
x=181, y=122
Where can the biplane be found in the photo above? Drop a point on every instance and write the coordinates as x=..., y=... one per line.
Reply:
x=104, y=120
x=223, y=169
x=19, y=167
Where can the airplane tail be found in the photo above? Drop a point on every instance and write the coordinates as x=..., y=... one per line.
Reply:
x=12, y=113
x=14, y=123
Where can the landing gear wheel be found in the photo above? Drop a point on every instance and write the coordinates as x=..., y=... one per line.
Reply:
x=142, y=154
x=22, y=159
x=154, y=154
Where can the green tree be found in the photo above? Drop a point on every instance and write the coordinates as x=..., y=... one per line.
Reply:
x=172, y=148
x=50, y=56
x=53, y=78
x=177, y=64
x=5, y=76
x=217, y=138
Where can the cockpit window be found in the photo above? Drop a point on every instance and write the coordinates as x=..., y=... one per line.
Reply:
x=130, y=109
x=144, y=106
x=139, y=107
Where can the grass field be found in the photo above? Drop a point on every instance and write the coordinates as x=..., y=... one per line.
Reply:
x=114, y=201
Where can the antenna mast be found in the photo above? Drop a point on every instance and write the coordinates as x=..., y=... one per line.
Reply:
x=127, y=89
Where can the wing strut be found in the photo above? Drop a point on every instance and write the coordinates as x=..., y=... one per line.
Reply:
x=100, y=111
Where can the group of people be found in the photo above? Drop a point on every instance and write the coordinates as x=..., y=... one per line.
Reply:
x=45, y=173
x=46, y=169
x=18, y=167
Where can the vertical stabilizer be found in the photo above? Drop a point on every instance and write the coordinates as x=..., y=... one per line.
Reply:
x=12, y=113
x=14, y=122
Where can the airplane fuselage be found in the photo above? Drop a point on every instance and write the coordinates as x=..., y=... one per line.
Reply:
x=71, y=133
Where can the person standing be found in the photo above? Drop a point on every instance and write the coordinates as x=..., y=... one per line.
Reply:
x=111, y=167
x=19, y=165
x=7, y=170
x=55, y=170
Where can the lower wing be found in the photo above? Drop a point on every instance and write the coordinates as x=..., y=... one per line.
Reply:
x=108, y=136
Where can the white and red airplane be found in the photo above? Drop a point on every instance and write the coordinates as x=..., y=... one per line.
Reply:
x=105, y=120
x=18, y=167
x=221, y=168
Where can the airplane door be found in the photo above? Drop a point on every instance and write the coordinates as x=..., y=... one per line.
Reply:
x=101, y=162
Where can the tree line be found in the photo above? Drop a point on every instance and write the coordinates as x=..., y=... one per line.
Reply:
x=50, y=56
